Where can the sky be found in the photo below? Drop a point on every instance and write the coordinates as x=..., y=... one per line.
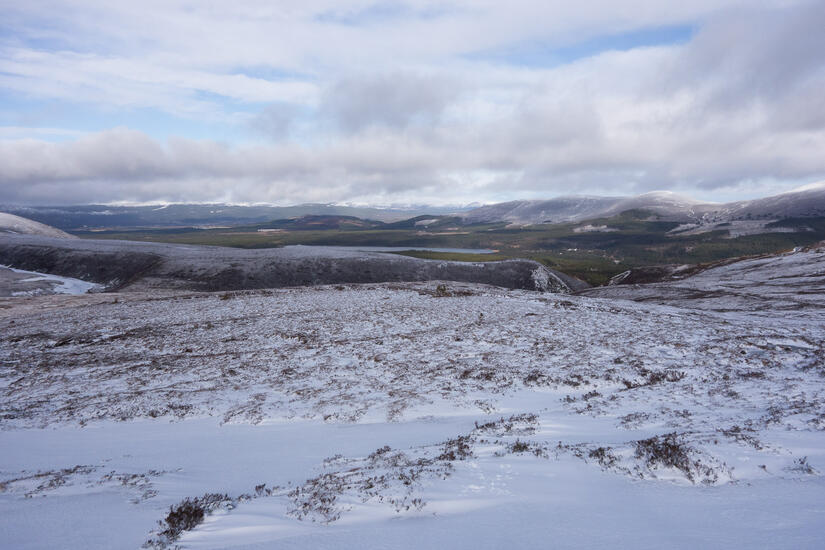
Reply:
x=407, y=103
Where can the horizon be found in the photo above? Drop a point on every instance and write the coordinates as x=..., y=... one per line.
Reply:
x=435, y=104
x=403, y=206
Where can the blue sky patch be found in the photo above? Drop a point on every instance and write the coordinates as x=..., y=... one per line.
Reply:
x=547, y=53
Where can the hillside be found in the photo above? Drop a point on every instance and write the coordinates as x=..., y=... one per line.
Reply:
x=121, y=265
x=558, y=210
x=16, y=225
x=785, y=282
x=409, y=415
x=92, y=216
x=805, y=202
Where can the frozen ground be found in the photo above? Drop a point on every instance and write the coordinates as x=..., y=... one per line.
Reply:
x=776, y=285
x=418, y=415
x=18, y=282
x=15, y=225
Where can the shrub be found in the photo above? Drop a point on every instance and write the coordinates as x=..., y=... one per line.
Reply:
x=456, y=449
x=670, y=451
x=184, y=516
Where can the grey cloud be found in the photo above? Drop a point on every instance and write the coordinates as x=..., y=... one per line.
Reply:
x=123, y=165
x=118, y=154
x=546, y=121
x=755, y=54
x=395, y=100
x=740, y=103
x=275, y=121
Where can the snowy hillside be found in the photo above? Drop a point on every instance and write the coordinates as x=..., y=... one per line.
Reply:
x=664, y=203
x=800, y=203
x=785, y=282
x=417, y=415
x=17, y=282
x=804, y=202
x=558, y=210
x=9, y=223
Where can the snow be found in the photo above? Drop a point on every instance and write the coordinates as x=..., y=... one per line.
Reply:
x=816, y=186
x=806, y=201
x=589, y=228
x=403, y=416
x=9, y=223
x=734, y=228
x=55, y=284
x=791, y=283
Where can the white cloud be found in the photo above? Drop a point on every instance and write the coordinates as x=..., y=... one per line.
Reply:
x=390, y=109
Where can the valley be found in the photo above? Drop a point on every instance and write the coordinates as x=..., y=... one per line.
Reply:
x=634, y=239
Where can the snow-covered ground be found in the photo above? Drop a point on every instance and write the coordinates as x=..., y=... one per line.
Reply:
x=781, y=284
x=19, y=282
x=16, y=225
x=415, y=416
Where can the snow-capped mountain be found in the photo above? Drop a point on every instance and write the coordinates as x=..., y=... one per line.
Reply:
x=558, y=210
x=808, y=201
x=805, y=202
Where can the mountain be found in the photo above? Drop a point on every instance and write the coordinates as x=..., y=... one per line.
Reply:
x=558, y=210
x=94, y=217
x=579, y=208
x=16, y=225
x=804, y=202
x=664, y=203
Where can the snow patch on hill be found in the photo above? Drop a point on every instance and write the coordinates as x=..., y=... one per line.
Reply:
x=9, y=223
x=34, y=283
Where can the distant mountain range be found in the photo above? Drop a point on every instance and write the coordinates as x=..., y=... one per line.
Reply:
x=95, y=216
x=805, y=202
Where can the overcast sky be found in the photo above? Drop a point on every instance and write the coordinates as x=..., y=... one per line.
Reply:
x=407, y=102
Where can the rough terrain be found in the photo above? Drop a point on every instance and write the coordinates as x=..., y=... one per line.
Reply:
x=400, y=415
x=784, y=283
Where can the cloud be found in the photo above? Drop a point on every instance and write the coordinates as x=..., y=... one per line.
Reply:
x=140, y=83
x=275, y=121
x=372, y=104
x=755, y=53
x=395, y=100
